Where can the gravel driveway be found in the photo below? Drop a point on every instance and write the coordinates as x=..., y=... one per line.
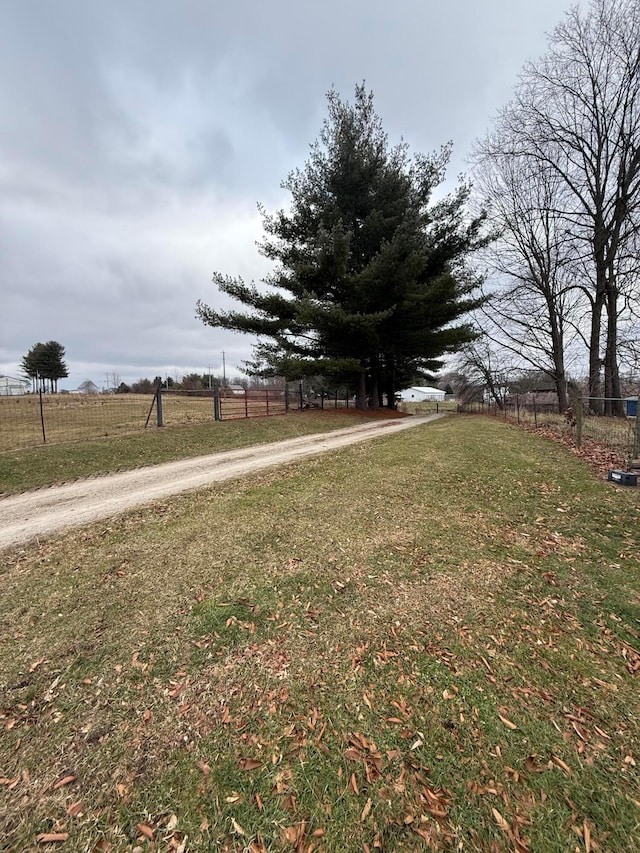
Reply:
x=47, y=511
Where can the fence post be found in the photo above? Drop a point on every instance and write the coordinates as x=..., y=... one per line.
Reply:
x=579, y=419
x=518, y=407
x=159, y=420
x=44, y=434
x=217, y=414
x=266, y=397
x=246, y=403
x=346, y=398
x=535, y=412
x=322, y=399
x=336, y=404
x=636, y=444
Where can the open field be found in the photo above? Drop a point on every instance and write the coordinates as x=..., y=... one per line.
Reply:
x=426, y=643
x=34, y=467
x=73, y=418
x=70, y=418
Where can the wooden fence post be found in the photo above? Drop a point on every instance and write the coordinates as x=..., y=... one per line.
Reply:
x=156, y=394
x=159, y=420
x=44, y=434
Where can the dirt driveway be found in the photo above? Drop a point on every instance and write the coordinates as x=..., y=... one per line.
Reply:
x=47, y=511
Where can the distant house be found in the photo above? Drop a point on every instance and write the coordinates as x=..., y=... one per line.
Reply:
x=12, y=387
x=88, y=387
x=421, y=394
x=236, y=390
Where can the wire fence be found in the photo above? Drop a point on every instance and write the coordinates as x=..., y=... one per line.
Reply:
x=29, y=420
x=619, y=433
x=35, y=419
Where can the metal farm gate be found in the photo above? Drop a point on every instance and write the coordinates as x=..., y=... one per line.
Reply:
x=233, y=404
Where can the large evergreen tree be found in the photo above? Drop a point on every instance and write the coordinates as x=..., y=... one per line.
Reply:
x=370, y=278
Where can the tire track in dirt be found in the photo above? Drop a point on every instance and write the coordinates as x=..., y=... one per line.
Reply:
x=48, y=511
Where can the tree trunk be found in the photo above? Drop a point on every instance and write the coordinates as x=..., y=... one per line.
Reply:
x=361, y=394
x=611, y=374
x=374, y=399
x=595, y=387
x=557, y=351
x=391, y=384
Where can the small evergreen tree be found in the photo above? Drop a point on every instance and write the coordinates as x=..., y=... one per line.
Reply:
x=45, y=363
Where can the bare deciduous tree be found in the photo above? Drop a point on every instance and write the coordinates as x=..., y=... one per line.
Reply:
x=487, y=366
x=576, y=114
x=532, y=307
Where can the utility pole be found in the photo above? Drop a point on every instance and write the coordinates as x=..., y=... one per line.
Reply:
x=209, y=377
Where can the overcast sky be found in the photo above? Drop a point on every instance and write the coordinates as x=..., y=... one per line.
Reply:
x=137, y=136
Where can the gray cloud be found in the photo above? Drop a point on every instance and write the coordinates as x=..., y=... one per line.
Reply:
x=137, y=137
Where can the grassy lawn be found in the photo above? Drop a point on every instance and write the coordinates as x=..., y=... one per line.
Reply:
x=34, y=467
x=427, y=642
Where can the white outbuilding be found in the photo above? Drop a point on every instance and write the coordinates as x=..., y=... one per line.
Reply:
x=12, y=387
x=421, y=394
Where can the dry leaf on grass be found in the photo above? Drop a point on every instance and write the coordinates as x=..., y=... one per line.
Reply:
x=366, y=810
x=504, y=826
x=249, y=763
x=562, y=765
x=146, y=830
x=66, y=780
x=237, y=828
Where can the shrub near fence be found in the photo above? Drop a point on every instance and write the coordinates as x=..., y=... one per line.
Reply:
x=621, y=434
